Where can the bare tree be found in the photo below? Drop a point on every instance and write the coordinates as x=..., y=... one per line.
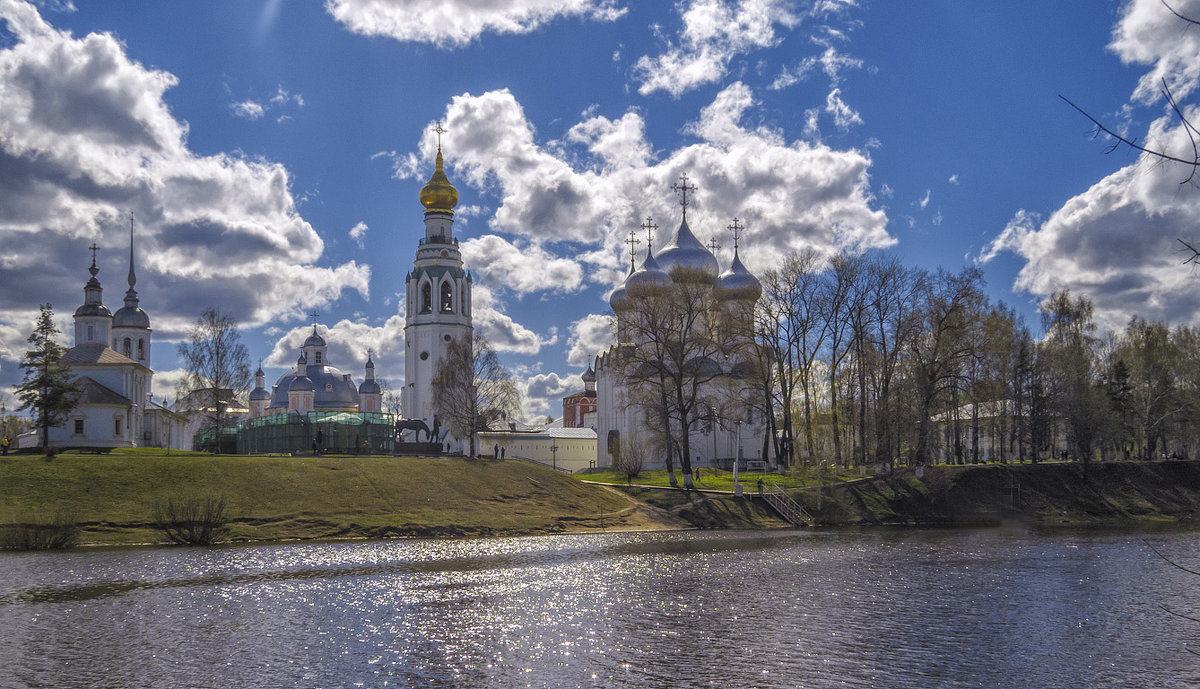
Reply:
x=894, y=324
x=472, y=391
x=1070, y=346
x=217, y=366
x=632, y=455
x=841, y=299
x=390, y=399
x=676, y=359
x=950, y=308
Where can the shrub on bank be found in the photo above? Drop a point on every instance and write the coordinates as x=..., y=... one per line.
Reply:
x=58, y=534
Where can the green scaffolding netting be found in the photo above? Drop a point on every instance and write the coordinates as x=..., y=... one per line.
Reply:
x=340, y=432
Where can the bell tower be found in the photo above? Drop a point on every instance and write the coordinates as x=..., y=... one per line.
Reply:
x=438, y=295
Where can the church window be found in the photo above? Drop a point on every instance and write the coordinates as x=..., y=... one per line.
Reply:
x=78, y=426
x=117, y=426
x=426, y=298
x=141, y=350
x=318, y=357
x=91, y=332
x=447, y=298
x=424, y=356
x=446, y=337
x=128, y=347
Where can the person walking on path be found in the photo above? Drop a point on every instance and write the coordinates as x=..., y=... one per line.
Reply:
x=4, y=445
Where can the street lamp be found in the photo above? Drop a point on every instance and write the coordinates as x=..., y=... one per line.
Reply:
x=737, y=456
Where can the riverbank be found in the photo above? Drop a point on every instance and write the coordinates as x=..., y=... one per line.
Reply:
x=112, y=498
x=1047, y=494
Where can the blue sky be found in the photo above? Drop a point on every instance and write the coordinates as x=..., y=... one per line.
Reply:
x=272, y=153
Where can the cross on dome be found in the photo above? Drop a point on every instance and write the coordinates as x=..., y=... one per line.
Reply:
x=314, y=315
x=633, y=241
x=649, y=227
x=713, y=244
x=736, y=228
x=438, y=128
x=684, y=188
x=93, y=269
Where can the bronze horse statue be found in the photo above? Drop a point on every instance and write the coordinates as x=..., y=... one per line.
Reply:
x=413, y=425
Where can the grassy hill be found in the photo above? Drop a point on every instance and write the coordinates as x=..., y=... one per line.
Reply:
x=113, y=497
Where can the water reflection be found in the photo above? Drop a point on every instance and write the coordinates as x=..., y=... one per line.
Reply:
x=986, y=608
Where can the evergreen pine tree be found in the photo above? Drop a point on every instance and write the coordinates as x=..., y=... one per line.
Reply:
x=47, y=389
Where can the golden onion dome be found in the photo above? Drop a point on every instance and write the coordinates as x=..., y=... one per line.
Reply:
x=439, y=194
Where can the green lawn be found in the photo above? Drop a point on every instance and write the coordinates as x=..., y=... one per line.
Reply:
x=113, y=496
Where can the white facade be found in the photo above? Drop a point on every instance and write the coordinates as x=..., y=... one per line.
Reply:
x=438, y=299
x=114, y=397
x=565, y=449
x=739, y=429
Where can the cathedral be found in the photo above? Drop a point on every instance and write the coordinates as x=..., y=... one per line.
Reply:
x=734, y=427
x=315, y=385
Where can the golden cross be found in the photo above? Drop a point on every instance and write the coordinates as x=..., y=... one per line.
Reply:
x=438, y=128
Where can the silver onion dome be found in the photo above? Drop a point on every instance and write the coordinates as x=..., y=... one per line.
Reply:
x=738, y=283
x=617, y=299
x=685, y=252
x=649, y=276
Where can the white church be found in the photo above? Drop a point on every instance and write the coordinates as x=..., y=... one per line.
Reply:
x=110, y=362
x=740, y=429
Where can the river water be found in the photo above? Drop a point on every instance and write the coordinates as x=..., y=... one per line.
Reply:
x=955, y=608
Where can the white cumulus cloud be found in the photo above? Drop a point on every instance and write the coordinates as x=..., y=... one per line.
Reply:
x=452, y=23
x=86, y=136
x=600, y=181
x=1116, y=243
x=714, y=32
x=589, y=336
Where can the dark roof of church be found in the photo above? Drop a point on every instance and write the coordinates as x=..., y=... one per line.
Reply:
x=91, y=392
x=95, y=353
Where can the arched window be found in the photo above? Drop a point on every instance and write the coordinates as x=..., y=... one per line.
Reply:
x=141, y=350
x=128, y=348
x=318, y=357
x=463, y=299
x=447, y=300
x=426, y=298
